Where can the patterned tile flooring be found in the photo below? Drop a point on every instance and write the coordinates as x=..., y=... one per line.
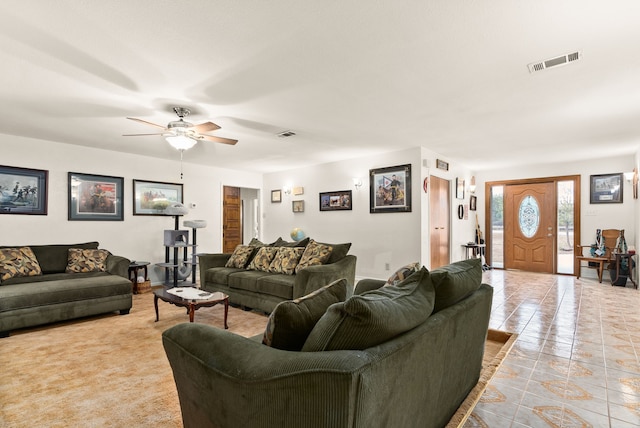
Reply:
x=576, y=362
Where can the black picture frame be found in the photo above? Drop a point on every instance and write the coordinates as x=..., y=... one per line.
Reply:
x=23, y=190
x=276, y=196
x=95, y=197
x=341, y=200
x=440, y=164
x=152, y=197
x=459, y=188
x=606, y=188
x=473, y=201
x=297, y=206
x=390, y=189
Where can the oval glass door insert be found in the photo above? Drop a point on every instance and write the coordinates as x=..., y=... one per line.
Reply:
x=529, y=216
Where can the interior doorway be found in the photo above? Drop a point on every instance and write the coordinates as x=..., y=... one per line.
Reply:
x=439, y=220
x=240, y=216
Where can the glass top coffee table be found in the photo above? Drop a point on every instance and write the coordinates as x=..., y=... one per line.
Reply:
x=208, y=299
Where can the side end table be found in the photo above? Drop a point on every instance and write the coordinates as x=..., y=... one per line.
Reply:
x=139, y=288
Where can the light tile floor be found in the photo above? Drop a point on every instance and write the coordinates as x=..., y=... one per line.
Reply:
x=576, y=360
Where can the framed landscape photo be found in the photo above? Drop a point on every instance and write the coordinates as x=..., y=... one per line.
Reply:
x=23, y=190
x=606, y=188
x=390, y=189
x=336, y=201
x=152, y=197
x=95, y=197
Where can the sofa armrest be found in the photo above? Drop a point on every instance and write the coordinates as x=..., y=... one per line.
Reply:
x=229, y=380
x=210, y=260
x=368, y=284
x=118, y=265
x=314, y=277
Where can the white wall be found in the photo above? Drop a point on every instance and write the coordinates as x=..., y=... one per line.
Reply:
x=137, y=237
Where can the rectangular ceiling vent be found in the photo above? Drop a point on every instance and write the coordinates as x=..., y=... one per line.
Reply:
x=555, y=62
x=285, y=134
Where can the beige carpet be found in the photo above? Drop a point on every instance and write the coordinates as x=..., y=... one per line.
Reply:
x=111, y=370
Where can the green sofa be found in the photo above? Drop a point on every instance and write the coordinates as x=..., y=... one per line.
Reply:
x=257, y=289
x=52, y=294
x=397, y=356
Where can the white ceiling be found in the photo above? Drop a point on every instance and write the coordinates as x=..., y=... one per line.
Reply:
x=350, y=78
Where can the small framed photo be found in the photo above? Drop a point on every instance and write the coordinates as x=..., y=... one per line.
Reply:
x=23, y=190
x=95, y=197
x=276, y=196
x=472, y=203
x=459, y=188
x=390, y=189
x=336, y=201
x=153, y=197
x=297, y=206
x=440, y=164
x=606, y=188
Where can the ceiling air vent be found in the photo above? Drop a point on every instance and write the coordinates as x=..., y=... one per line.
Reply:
x=554, y=62
x=285, y=134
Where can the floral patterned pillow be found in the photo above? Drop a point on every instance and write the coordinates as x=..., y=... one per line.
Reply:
x=263, y=259
x=82, y=260
x=16, y=262
x=240, y=256
x=403, y=273
x=314, y=254
x=286, y=260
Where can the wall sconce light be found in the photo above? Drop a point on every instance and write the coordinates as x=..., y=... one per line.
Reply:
x=632, y=177
x=472, y=184
x=357, y=181
x=287, y=190
x=629, y=175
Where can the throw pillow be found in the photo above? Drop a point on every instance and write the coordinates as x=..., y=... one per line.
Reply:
x=263, y=258
x=255, y=242
x=286, y=260
x=17, y=262
x=403, y=273
x=82, y=260
x=291, y=321
x=240, y=257
x=339, y=251
x=367, y=320
x=282, y=243
x=314, y=254
x=456, y=281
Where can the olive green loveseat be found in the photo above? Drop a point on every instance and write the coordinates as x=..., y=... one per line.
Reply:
x=54, y=287
x=262, y=289
x=399, y=356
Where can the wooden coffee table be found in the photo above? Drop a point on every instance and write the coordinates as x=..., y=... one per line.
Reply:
x=191, y=304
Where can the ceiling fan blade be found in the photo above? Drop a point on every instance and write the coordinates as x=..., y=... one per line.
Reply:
x=147, y=123
x=218, y=139
x=205, y=127
x=139, y=135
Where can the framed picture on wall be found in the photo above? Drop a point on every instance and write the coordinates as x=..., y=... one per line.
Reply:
x=297, y=206
x=23, y=190
x=459, y=188
x=276, y=196
x=336, y=201
x=95, y=197
x=472, y=203
x=152, y=197
x=390, y=189
x=606, y=188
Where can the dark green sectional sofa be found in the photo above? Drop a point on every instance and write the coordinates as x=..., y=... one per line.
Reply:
x=55, y=295
x=397, y=356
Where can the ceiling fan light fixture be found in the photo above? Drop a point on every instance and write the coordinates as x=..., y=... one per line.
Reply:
x=180, y=142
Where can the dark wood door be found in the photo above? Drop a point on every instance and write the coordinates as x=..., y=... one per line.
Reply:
x=231, y=219
x=439, y=213
x=529, y=226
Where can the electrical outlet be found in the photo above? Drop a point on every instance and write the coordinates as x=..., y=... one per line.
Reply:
x=387, y=266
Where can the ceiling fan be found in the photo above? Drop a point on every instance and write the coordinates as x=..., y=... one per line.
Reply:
x=184, y=135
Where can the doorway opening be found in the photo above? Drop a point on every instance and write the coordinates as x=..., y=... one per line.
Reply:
x=240, y=216
x=533, y=224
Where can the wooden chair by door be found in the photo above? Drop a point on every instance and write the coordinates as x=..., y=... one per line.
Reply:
x=598, y=262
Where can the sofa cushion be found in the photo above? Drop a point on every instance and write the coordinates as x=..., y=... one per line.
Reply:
x=276, y=284
x=338, y=251
x=247, y=280
x=314, y=254
x=291, y=321
x=18, y=262
x=263, y=258
x=367, y=320
x=240, y=257
x=286, y=260
x=53, y=258
x=456, y=281
x=403, y=273
x=83, y=260
x=220, y=275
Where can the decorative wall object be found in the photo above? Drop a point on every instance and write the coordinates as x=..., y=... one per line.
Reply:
x=440, y=164
x=390, y=189
x=606, y=188
x=23, y=190
x=95, y=197
x=336, y=201
x=460, y=211
x=472, y=203
x=297, y=206
x=459, y=188
x=298, y=191
x=276, y=196
x=152, y=197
